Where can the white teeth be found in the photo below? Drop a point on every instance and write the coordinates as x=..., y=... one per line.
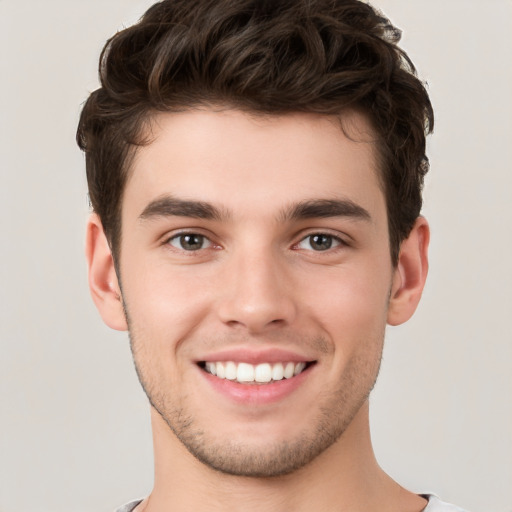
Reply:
x=231, y=370
x=245, y=372
x=289, y=370
x=262, y=373
x=211, y=368
x=299, y=367
x=277, y=372
x=221, y=372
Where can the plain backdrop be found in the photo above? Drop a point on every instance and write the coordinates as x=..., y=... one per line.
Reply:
x=75, y=432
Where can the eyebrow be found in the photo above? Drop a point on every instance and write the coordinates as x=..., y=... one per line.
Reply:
x=168, y=206
x=324, y=208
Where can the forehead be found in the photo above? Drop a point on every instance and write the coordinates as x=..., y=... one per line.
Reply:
x=250, y=162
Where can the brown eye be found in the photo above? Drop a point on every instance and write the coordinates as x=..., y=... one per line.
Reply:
x=319, y=242
x=189, y=242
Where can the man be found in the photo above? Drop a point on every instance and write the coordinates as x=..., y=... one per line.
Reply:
x=255, y=169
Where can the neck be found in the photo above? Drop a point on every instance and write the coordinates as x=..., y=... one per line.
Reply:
x=344, y=477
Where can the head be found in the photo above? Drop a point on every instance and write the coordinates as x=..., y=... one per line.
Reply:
x=255, y=169
x=269, y=57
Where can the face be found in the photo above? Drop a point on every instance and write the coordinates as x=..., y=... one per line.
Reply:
x=256, y=274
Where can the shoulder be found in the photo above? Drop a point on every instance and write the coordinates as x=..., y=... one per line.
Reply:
x=436, y=505
x=129, y=507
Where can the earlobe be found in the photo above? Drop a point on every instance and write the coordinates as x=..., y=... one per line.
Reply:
x=103, y=282
x=410, y=274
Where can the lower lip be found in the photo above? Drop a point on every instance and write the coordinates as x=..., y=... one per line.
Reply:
x=257, y=393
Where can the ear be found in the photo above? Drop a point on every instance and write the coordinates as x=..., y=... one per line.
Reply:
x=410, y=274
x=103, y=282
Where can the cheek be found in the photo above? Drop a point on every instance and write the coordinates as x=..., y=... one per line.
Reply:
x=161, y=315
x=354, y=318
x=353, y=303
x=165, y=305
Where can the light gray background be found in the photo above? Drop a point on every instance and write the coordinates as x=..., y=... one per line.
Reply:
x=75, y=432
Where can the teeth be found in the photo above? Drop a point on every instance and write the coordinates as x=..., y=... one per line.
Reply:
x=263, y=373
x=221, y=372
x=289, y=370
x=277, y=372
x=299, y=367
x=245, y=372
x=230, y=370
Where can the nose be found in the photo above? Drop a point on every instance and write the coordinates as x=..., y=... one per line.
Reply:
x=257, y=293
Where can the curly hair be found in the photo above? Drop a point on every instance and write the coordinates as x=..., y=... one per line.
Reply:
x=266, y=56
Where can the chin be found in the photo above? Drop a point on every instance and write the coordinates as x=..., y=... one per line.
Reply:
x=251, y=452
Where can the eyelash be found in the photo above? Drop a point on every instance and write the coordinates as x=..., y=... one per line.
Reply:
x=334, y=242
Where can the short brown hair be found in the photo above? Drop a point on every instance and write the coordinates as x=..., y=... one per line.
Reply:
x=268, y=56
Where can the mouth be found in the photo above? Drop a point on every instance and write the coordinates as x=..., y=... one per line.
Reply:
x=255, y=374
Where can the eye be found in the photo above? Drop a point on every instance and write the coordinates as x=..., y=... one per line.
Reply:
x=319, y=242
x=190, y=242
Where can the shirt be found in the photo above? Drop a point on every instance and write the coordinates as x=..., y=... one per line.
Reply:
x=434, y=505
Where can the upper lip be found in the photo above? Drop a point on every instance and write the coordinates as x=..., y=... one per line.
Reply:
x=251, y=356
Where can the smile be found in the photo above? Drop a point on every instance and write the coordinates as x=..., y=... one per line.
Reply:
x=249, y=373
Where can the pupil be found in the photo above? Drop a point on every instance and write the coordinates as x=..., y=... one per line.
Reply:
x=321, y=242
x=191, y=242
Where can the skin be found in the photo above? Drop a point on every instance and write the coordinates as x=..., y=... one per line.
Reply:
x=257, y=284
